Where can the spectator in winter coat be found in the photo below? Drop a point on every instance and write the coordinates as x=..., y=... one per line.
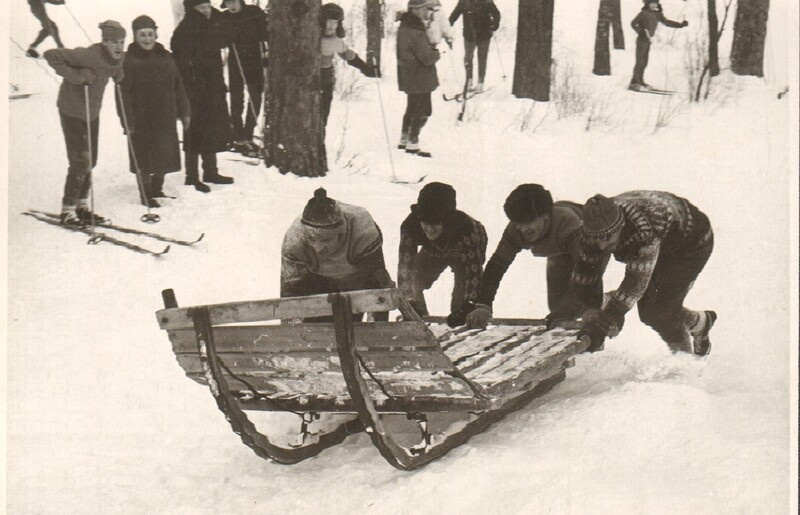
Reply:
x=86, y=72
x=332, y=247
x=332, y=43
x=645, y=24
x=416, y=73
x=436, y=236
x=247, y=29
x=481, y=19
x=196, y=45
x=548, y=229
x=49, y=28
x=153, y=98
x=664, y=242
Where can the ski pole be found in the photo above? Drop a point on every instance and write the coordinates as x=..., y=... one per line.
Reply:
x=500, y=59
x=244, y=81
x=148, y=217
x=78, y=23
x=93, y=236
x=383, y=117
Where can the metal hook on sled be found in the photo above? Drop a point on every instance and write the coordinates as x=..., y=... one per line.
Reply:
x=422, y=422
x=307, y=418
x=150, y=218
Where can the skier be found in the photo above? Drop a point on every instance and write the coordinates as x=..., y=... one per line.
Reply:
x=332, y=247
x=49, y=28
x=481, y=20
x=433, y=237
x=331, y=43
x=247, y=28
x=152, y=98
x=84, y=69
x=645, y=24
x=196, y=45
x=546, y=228
x=416, y=73
x=664, y=242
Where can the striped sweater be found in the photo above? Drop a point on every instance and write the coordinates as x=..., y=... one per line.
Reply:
x=657, y=225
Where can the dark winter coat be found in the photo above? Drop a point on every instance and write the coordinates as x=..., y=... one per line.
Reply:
x=481, y=18
x=657, y=226
x=79, y=66
x=196, y=45
x=646, y=22
x=562, y=238
x=463, y=243
x=153, y=98
x=416, y=57
x=246, y=30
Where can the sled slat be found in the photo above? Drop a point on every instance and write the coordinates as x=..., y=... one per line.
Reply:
x=365, y=301
x=307, y=337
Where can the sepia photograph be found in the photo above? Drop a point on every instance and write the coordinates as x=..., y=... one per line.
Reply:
x=401, y=257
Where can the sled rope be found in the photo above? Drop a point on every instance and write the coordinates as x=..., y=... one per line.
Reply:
x=372, y=376
x=255, y=392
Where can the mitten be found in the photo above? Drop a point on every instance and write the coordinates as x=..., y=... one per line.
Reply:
x=459, y=317
x=479, y=316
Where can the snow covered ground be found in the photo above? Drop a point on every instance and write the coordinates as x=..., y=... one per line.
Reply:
x=101, y=419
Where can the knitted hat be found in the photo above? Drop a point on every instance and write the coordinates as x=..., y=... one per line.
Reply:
x=322, y=212
x=143, y=22
x=602, y=218
x=527, y=203
x=436, y=202
x=416, y=4
x=189, y=4
x=111, y=29
x=332, y=12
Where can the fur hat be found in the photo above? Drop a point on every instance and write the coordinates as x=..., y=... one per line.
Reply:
x=436, y=202
x=143, y=22
x=111, y=29
x=322, y=212
x=527, y=203
x=602, y=218
x=417, y=4
x=331, y=11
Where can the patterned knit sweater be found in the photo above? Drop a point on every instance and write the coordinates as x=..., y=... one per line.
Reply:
x=657, y=225
x=463, y=241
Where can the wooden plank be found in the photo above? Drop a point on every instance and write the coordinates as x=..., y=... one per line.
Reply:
x=363, y=301
x=308, y=363
x=529, y=322
x=484, y=341
x=307, y=337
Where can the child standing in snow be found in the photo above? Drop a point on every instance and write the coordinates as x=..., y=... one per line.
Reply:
x=49, y=28
x=85, y=71
x=153, y=99
x=645, y=24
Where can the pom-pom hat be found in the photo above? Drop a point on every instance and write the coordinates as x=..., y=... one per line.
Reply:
x=322, y=212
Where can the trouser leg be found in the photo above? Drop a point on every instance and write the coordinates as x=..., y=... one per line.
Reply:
x=642, y=57
x=469, y=52
x=236, y=90
x=483, y=53
x=255, y=90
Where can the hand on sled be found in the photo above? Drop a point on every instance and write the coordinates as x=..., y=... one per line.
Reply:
x=459, y=317
x=479, y=316
x=599, y=325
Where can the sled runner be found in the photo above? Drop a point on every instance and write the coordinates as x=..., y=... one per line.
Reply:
x=377, y=371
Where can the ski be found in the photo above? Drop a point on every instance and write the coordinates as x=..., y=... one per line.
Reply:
x=19, y=96
x=654, y=91
x=459, y=97
x=417, y=181
x=97, y=237
x=122, y=229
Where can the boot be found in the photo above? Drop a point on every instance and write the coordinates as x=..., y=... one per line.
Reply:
x=157, y=186
x=413, y=145
x=701, y=341
x=146, y=195
x=214, y=177
x=192, y=180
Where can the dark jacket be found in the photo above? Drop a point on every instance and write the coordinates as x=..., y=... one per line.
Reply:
x=646, y=22
x=79, y=66
x=481, y=18
x=153, y=98
x=657, y=226
x=416, y=57
x=463, y=243
x=246, y=30
x=562, y=238
x=196, y=45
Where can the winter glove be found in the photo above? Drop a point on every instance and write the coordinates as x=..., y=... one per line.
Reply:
x=684, y=23
x=600, y=324
x=556, y=319
x=364, y=68
x=84, y=77
x=479, y=316
x=459, y=317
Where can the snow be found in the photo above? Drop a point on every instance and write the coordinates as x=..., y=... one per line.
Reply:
x=101, y=419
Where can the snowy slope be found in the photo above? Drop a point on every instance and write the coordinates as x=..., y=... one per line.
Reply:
x=101, y=418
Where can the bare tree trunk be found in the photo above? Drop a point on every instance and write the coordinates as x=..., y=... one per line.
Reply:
x=534, y=51
x=713, y=39
x=374, y=31
x=616, y=25
x=294, y=137
x=602, y=56
x=749, y=36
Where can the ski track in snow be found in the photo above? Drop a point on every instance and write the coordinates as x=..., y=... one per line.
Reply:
x=101, y=418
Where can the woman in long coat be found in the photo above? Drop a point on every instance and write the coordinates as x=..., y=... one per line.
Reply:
x=196, y=45
x=153, y=98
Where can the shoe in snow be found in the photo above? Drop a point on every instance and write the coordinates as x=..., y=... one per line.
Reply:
x=32, y=53
x=70, y=218
x=216, y=178
x=702, y=343
x=403, y=141
x=87, y=217
x=479, y=88
x=633, y=86
x=198, y=185
x=150, y=202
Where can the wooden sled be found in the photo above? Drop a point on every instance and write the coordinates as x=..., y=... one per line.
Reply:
x=375, y=370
